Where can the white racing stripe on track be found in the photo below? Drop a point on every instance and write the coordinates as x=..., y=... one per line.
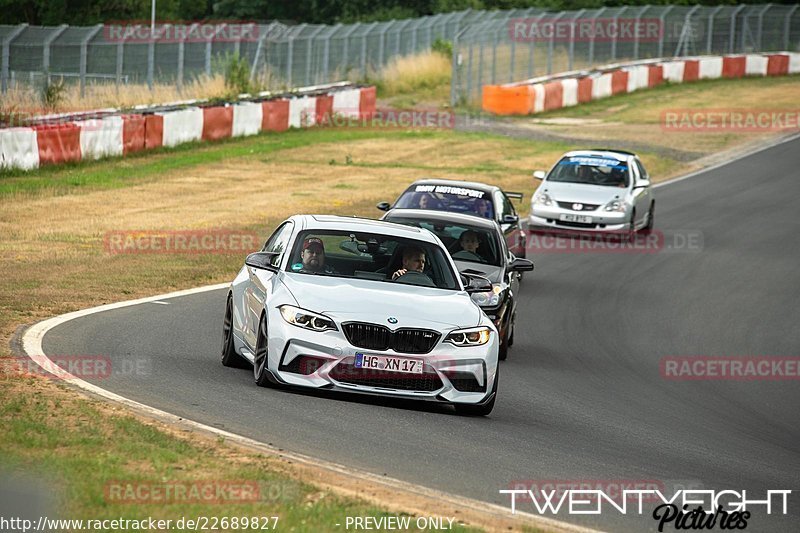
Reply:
x=32, y=345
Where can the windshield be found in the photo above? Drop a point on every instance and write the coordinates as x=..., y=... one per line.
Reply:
x=376, y=257
x=591, y=170
x=447, y=198
x=464, y=242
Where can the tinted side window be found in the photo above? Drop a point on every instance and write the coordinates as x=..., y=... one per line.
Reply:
x=279, y=241
x=642, y=172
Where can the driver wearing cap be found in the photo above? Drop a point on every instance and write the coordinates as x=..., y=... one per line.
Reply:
x=313, y=256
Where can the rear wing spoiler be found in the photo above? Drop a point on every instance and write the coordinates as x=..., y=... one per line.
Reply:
x=514, y=195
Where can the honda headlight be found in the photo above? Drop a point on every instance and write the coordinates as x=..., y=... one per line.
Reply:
x=615, y=205
x=306, y=319
x=488, y=299
x=542, y=198
x=469, y=337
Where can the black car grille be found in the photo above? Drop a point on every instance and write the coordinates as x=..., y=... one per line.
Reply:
x=346, y=372
x=586, y=207
x=377, y=337
x=465, y=382
x=575, y=224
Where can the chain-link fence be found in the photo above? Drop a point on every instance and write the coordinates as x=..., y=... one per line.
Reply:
x=488, y=46
x=525, y=44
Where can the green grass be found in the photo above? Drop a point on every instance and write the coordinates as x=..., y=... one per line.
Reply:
x=76, y=458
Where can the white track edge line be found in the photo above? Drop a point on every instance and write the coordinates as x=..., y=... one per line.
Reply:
x=32, y=346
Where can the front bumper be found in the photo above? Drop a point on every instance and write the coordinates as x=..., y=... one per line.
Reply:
x=304, y=358
x=542, y=217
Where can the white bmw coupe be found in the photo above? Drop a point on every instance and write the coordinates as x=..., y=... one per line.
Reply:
x=363, y=306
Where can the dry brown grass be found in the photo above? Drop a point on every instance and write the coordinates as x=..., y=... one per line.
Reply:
x=27, y=99
x=423, y=71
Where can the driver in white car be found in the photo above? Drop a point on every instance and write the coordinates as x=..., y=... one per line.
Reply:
x=413, y=261
x=313, y=257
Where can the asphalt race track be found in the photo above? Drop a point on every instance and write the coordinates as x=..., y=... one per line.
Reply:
x=581, y=395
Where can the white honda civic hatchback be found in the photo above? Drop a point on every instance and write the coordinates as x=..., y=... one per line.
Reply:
x=363, y=306
x=594, y=190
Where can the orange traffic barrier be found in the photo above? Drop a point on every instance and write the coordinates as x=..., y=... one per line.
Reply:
x=153, y=131
x=275, y=115
x=58, y=143
x=585, y=90
x=655, y=75
x=217, y=123
x=733, y=66
x=777, y=64
x=133, y=128
x=366, y=104
x=553, y=95
x=324, y=108
x=691, y=70
x=508, y=100
x=619, y=82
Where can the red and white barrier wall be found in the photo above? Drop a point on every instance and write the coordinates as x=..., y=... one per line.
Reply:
x=573, y=88
x=118, y=135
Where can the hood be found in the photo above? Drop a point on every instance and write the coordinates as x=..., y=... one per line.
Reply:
x=345, y=299
x=582, y=193
x=490, y=272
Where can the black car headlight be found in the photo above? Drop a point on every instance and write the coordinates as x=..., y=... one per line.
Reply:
x=306, y=319
x=470, y=336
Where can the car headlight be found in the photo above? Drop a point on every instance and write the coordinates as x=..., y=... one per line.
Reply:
x=488, y=299
x=470, y=336
x=615, y=205
x=542, y=198
x=306, y=319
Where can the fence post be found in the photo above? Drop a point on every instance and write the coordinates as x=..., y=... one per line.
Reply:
x=120, y=60
x=614, y=41
x=382, y=43
x=636, y=32
x=397, y=41
x=364, y=49
x=327, y=54
x=454, y=70
x=551, y=44
x=46, y=49
x=787, y=27
x=662, y=20
x=571, y=55
x=685, y=34
x=182, y=55
x=591, y=40
x=761, y=25
x=7, y=55
x=733, y=29
x=711, y=28
x=310, y=45
x=84, y=53
x=345, y=48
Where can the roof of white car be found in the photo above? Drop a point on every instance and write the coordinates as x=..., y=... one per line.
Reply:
x=333, y=222
x=618, y=155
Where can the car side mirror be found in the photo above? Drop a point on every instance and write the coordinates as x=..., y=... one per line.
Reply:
x=521, y=265
x=262, y=260
x=641, y=184
x=510, y=219
x=383, y=206
x=476, y=283
x=539, y=174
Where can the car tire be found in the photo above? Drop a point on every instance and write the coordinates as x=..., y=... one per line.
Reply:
x=513, y=327
x=650, y=218
x=632, y=229
x=484, y=409
x=260, y=358
x=229, y=356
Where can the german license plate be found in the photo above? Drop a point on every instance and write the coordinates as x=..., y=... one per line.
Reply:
x=388, y=363
x=576, y=218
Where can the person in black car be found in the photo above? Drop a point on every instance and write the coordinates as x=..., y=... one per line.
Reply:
x=469, y=242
